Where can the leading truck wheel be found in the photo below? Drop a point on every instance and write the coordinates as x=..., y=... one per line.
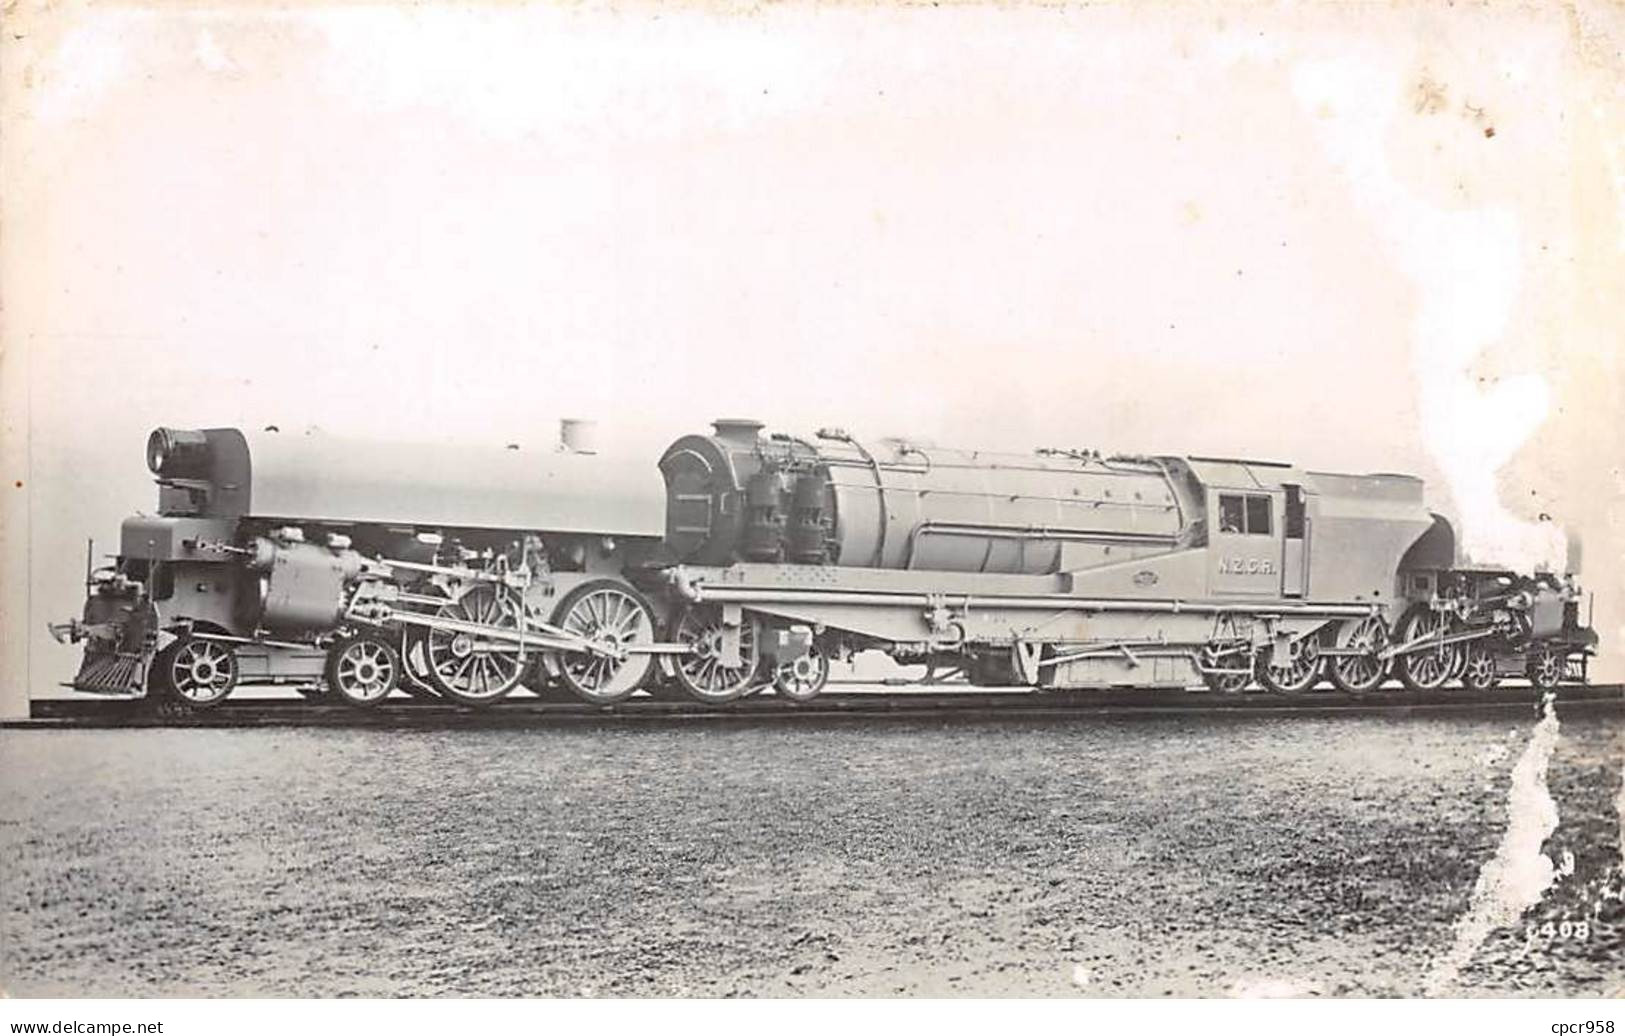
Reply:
x=612, y=616
x=1545, y=669
x=472, y=667
x=362, y=669
x=1478, y=672
x=195, y=673
x=705, y=674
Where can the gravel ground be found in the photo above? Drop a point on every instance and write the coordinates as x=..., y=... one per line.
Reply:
x=1156, y=856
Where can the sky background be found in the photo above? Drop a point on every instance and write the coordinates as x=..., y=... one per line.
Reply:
x=1352, y=238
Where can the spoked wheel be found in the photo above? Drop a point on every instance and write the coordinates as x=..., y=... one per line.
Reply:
x=1364, y=672
x=195, y=673
x=363, y=669
x=1230, y=671
x=1297, y=672
x=1431, y=667
x=469, y=668
x=1478, y=671
x=615, y=617
x=702, y=673
x=1546, y=667
x=802, y=679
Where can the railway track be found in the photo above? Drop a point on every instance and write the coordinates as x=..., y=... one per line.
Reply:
x=961, y=704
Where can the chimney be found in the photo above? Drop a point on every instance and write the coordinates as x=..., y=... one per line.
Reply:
x=739, y=430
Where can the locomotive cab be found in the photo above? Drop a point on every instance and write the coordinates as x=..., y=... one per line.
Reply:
x=1260, y=517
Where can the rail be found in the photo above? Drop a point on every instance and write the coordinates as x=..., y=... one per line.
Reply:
x=975, y=705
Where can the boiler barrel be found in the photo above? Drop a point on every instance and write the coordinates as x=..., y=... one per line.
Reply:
x=959, y=511
x=736, y=496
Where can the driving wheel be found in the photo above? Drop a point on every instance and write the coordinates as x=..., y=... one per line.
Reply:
x=613, y=617
x=1363, y=672
x=473, y=667
x=706, y=673
x=1432, y=666
x=1294, y=673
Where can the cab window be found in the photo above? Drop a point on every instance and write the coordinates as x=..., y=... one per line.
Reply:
x=1244, y=514
x=1258, y=515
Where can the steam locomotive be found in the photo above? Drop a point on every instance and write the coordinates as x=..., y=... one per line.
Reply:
x=745, y=561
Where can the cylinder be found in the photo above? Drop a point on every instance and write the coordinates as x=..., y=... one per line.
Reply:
x=302, y=586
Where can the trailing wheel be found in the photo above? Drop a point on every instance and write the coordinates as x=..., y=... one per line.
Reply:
x=1430, y=667
x=705, y=674
x=1545, y=667
x=613, y=616
x=1227, y=671
x=1478, y=672
x=802, y=679
x=1358, y=674
x=469, y=667
x=1296, y=671
x=194, y=673
x=362, y=669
